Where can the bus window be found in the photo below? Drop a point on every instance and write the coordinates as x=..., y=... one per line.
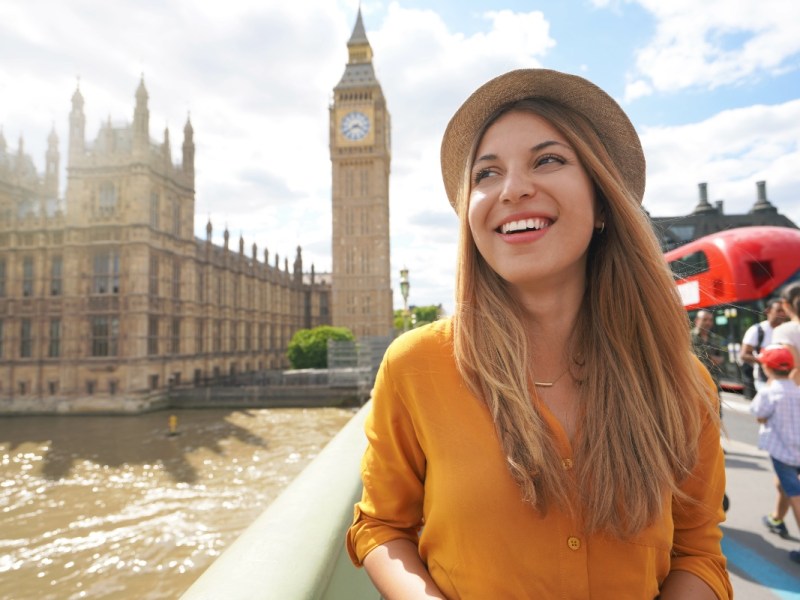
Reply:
x=689, y=265
x=760, y=271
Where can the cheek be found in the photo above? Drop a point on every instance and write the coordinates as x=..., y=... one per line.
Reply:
x=583, y=210
x=476, y=215
x=589, y=208
x=597, y=214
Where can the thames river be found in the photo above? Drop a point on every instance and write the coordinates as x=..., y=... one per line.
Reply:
x=114, y=507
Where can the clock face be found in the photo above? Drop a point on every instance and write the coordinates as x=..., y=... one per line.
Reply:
x=355, y=125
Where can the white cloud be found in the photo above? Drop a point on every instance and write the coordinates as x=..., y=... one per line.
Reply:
x=426, y=71
x=257, y=77
x=714, y=43
x=257, y=91
x=637, y=89
x=730, y=151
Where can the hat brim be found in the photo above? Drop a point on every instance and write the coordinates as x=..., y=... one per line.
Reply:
x=612, y=124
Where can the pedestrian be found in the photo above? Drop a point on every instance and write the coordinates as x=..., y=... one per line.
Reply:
x=754, y=379
x=788, y=336
x=777, y=408
x=788, y=333
x=556, y=437
x=756, y=337
x=709, y=347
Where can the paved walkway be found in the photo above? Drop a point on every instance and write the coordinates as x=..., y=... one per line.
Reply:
x=757, y=559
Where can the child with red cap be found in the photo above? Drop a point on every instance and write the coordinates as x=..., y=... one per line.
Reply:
x=777, y=408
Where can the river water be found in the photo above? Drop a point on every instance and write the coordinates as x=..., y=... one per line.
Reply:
x=114, y=507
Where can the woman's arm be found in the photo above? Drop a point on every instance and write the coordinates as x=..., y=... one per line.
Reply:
x=398, y=572
x=682, y=585
x=698, y=566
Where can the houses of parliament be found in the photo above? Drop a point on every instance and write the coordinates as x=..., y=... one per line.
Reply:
x=107, y=295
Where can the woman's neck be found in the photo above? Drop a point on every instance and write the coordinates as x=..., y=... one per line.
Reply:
x=550, y=316
x=546, y=303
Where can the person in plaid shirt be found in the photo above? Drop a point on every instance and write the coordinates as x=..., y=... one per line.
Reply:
x=777, y=408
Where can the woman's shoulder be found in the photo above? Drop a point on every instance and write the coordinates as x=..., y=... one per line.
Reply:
x=427, y=341
x=703, y=373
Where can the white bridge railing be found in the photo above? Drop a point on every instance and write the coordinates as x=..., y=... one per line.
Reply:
x=295, y=549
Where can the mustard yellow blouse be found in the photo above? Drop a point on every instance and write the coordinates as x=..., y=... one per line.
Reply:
x=433, y=459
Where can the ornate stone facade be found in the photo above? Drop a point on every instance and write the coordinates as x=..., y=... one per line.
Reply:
x=109, y=294
x=360, y=129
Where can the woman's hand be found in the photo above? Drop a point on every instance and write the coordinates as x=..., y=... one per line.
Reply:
x=399, y=573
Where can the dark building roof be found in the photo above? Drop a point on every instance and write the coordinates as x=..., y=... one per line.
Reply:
x=706, y=219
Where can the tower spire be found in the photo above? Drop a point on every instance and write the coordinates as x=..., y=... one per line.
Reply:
x=141, y=119
x=188, y=149
x=77, y=127
x=358, y=45
x=359, y=35
x=359, y=71
x=51, y=164
x=166, y=148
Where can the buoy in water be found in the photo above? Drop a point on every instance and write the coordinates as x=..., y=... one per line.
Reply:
x=173, y=425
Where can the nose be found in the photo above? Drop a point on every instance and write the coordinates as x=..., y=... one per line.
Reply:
x=517, y=185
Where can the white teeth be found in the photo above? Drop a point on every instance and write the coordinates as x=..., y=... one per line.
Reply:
x=523, y=224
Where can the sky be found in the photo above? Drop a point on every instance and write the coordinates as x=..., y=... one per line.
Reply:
x=712, y=87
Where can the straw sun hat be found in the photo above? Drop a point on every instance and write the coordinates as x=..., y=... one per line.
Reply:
x=612, y=124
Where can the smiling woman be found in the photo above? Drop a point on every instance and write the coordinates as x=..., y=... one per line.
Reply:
x=537, y=197
x=556, y=437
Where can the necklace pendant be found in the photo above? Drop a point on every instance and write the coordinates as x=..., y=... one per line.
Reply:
x=543, y=384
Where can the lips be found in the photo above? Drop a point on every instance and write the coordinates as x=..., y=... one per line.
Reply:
x=522, y=225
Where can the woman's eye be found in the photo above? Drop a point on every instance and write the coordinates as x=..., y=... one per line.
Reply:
x=550, y=159
x=480, y=175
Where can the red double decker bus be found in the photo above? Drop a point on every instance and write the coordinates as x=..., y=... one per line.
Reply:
x=733, y=274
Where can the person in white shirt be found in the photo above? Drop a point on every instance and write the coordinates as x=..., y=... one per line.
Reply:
x=760, y=336
x=787, y=334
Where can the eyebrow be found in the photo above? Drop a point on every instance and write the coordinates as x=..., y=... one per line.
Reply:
x=536, y=148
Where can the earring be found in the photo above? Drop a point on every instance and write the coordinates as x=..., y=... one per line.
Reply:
x=602, y=228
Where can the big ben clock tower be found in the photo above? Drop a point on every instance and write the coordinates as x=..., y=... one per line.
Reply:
x=360, y=157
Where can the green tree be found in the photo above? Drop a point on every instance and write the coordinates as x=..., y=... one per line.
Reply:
x=426, y=314
x=418, y=315
x=398, y=319
x=309, y=347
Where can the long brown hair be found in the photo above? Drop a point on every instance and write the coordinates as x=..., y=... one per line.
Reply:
x=641, y=391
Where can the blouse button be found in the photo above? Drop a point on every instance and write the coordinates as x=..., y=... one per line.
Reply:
x=573, y=543
x=566, y=463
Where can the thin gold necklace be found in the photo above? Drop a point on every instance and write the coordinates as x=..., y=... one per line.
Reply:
x=550, y=384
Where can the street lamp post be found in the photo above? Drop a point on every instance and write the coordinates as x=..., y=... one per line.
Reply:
x=733, y=346
x=404, y=285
